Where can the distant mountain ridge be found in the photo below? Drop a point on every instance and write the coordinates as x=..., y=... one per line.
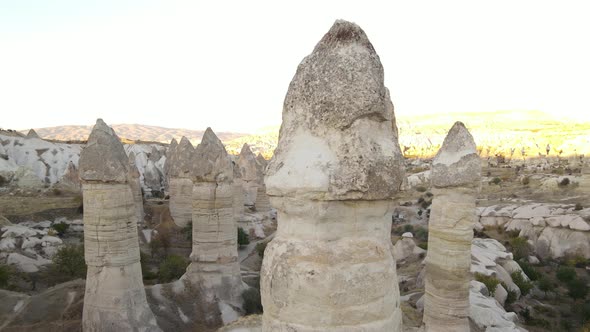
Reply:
x=130, y=132
x=507, y=133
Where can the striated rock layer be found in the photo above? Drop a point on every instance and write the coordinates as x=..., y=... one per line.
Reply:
x=214, y=259
x=262, y=202
x=115, y=298
x=330, y=265
x=135, y=184
x=180, y=184
x=455, y=178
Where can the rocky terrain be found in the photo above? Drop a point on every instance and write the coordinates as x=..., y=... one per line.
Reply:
x=355, y=224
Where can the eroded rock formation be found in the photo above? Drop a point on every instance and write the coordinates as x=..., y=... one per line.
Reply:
x=115, y=298
x=214, y=259
x=180, y=184
x=262, y=202
x=456, y=172
x=249, y=171
x=330, y=265
x=135, y=183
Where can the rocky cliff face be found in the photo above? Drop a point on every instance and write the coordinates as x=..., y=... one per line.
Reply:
x=330, y=266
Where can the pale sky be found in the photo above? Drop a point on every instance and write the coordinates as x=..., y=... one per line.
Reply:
x=228, y=64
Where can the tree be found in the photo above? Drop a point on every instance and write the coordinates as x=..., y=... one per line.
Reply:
x=60, y=228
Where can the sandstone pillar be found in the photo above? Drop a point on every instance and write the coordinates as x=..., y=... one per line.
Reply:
x=115, y=298
x=135, y=184
x=180, y=184
x=262, y=201
x=330, y=266
x=456, y=172
x=249, y=175
x=214, y=259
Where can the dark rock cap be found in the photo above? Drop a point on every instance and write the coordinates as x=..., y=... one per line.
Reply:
x=103, y=158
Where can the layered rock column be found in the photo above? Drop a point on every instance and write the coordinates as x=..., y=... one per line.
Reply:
x=455, y=175
x=249, y=171
x=169, y=155
x=214, y=260
x=330, y=266
x=115, y=298
x=135, y=183
x=262, y=202
x=180, y=183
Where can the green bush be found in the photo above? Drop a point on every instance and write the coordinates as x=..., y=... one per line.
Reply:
x=408, y=228
x=260, y=247
x=577, y=288
x=578, y=207
x=421, y=189
x=545, y=284
x=243, y=238
x=529, y=270
x=566, y=273
x=172, y=268
x=145, y=271
x=496, y=181
x=60, y=228
x=526, y=181
x=564, y=182
x=421, y=233
x=491, y=282
x=187, y=231
x=252, y=302
x=5, y=272
x=520, y=248
x=524, y=285
x=512, y=295
x=69, y=261
x=423, y=245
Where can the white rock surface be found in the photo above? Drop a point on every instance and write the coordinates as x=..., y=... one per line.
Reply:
x=487, y=314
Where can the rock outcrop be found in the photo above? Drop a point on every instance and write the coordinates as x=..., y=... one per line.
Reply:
x=170, y=153
x=456, y=172
x=180, y=183
x=330, y=265
x=115, y=298
x=553, y=230
x=214, y=260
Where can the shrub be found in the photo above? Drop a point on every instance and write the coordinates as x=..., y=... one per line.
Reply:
x=426, y=204
x=56, y=192
x=491, y=282
x=421, y=189
x=160, y=242
x=512, y=294
x=520, y=248
x=243, y=238
x=3, y=181
x=408, y=228
x=260, y=247
x=524, y=285
x=429, y=194
x=564, y=182
x=496, y=181
x=69, y=261
x=252, y=302
x=421, y=233
x=145, y=271
x=187, y=231
x=423, y=245
x=529, y=270
x=5, y=272
x=60, y=228
x=545, y=284
x=566, y=274
x=526, y=180
x=172, y=268
x=578, y=207
x=577, y=288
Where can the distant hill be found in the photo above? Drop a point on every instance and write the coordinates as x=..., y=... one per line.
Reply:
x=130, y=132
x=506, y=133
